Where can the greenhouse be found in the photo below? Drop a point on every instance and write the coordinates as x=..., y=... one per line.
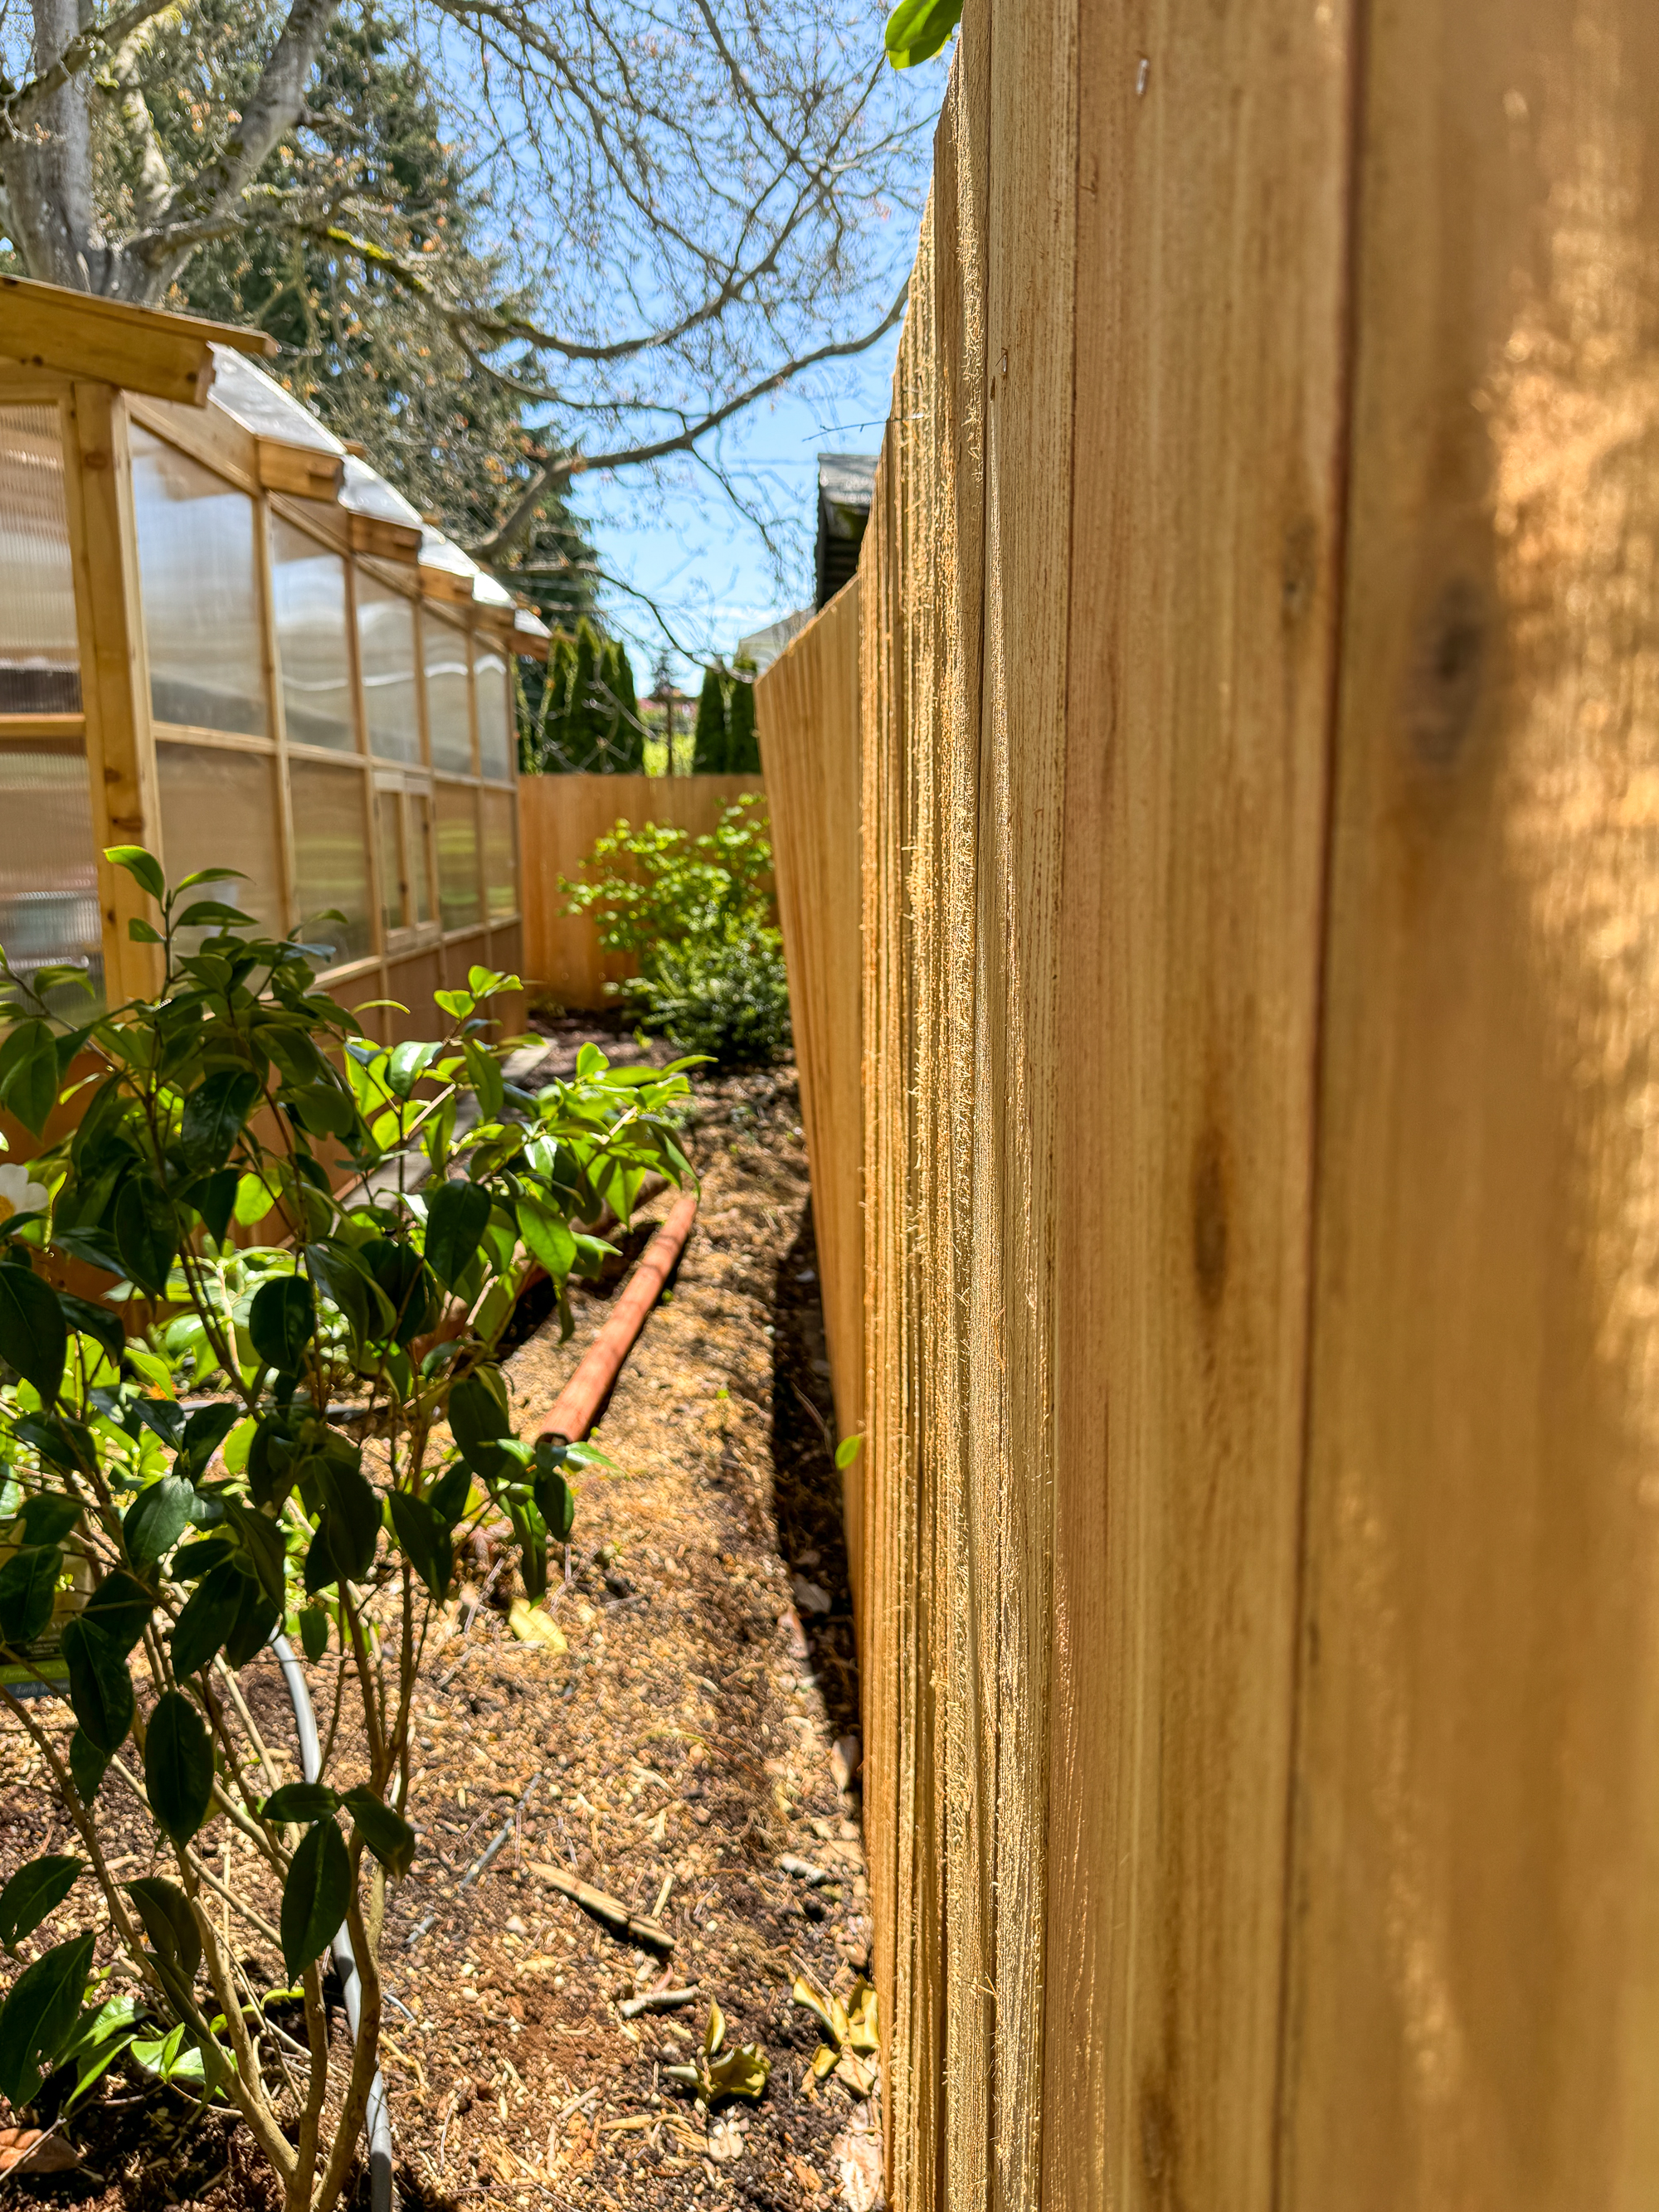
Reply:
x=223, y=636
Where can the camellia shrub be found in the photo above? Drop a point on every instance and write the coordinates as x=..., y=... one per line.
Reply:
x=697, y=914
x=324, y=1240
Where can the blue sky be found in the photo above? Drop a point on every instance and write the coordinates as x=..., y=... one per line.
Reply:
x=684, y=544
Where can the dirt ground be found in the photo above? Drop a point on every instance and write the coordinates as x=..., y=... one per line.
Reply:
x=699, y=1727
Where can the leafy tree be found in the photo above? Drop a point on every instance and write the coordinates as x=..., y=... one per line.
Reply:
x=194, y=1483
x=628, y=744
x=590, y=718
x=743, y=743
x=699, y=916
x=713, y=743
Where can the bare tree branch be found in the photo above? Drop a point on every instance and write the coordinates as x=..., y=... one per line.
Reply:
x=559, y=472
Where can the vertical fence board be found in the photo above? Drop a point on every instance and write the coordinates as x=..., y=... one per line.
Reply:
x=1476, y=1963
x=1211, y=171
x=559, y=819
x=807, y=707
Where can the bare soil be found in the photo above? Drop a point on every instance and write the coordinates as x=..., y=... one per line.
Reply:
x=681, y=1745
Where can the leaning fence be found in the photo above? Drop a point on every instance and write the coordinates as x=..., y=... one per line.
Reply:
x=1259, y=947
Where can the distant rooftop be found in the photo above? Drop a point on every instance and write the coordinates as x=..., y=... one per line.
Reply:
x=762, y=646
x=847, y=483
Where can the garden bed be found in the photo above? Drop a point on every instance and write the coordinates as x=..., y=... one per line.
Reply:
x=680, y=1745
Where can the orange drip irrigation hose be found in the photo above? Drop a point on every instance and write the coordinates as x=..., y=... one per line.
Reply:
x=572, y=1413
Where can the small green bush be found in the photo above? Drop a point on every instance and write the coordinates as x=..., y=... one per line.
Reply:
x=697, y=914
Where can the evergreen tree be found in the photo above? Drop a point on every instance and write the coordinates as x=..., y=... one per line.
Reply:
x=713, y=742
x=742, y=742
x=630, y=730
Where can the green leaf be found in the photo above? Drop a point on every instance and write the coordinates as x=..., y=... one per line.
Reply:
x=140, y=931
x=28, y=1072
x=215, y=1200
x=33, y=1336
x=178, y=1767
x=28, y=1583
x=215, y=1112
x=282, y=1321
x=144, y=867
x=847, y=1451
x=556, y=1502
x=211, y=914
x=169, y=1923
x=457, y=1216
x=450, y=1493
x=485, y=1076
x=419, y=1527
x=385, y=1831
x=478, y=1420
x=314, y=1632
x=368, y=1311
x=88, y=1765
x=99, y=1686
x=48, y=1517
x=314, y=1897
x=204, y=1431
x=262, y=1540
x=252, y=1632
x=40, y=2015
x=406, y=1284
x=122, y=1608
x=156, y=1519
x=300, y=1801
x=209, y=1616
x=547, y=1238
x=255, y=1199
x=35, y=1891
x=351, y=1520
x=916, y=30
x=144, y=1234
x=96, y=1322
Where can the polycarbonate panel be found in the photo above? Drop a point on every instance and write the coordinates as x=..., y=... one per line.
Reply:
x=458, y=856
x=48, y=867
x=39, y=657
x=501, y=858
x=308, y=599
x=492, y=689
x=385, y=648
x=394, y=881
x=199, y=585
x=448, y=718
x=219, y=811
x=331, y=856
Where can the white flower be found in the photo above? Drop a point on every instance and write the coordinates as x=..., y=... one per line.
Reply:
x=18, y=1194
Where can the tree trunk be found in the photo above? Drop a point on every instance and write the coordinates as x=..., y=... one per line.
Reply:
x=47, y=171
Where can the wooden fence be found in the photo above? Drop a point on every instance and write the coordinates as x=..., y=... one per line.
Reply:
x=1260, y=749
x=807, y=710
x=560, y=816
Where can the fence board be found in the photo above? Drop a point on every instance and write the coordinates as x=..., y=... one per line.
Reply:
x=1475, y=1971
x=807, y=710
x=560, y=816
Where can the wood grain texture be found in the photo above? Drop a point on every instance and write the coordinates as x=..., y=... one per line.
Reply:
x=1212, y=182
x=114, y=673
x=1475, y=1968
x=560, y=816
x=807, y=712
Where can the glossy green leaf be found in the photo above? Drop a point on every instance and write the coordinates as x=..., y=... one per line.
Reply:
x=33, y=1334
x=35, y=1891
x=314, y=1897
x=96, y=1322
x=215, y=1113
x=209, y=1616
x=88, y=1765
x=99, y=1686
x=547, y=1238
x=457, y=1213
x=215, y=1200
x=384, y=1830
x=28, y=1072
x=156, y=1519
x=168, y=1922
x=419, y=1527
x=300, y=1801
x=144, y=867
x=282, y=1322
x=145, y=1237
x=122, y=1608
x=314, y=1632
x=178, y=1767
x=49, y=1516
x=39, y=2016
x=204, y=1431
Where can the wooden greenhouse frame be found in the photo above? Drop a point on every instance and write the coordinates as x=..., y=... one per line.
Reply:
x=133, y=443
